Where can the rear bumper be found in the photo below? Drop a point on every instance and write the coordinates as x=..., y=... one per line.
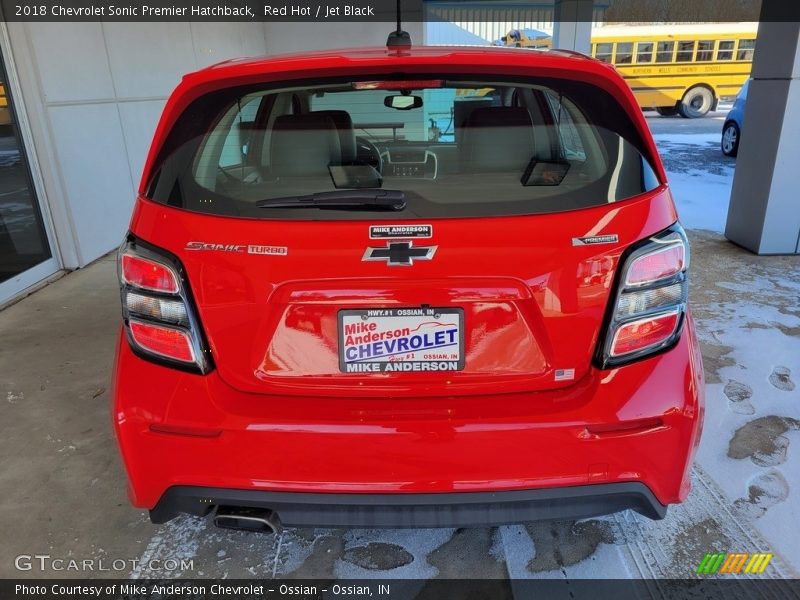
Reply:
x=464, y=509
x=399, y=458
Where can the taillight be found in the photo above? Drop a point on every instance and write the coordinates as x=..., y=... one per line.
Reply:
x=160, y=320
x=650, y=304
x=656, y=265
x=644, y=333
x=148, y=274
x=169, y=342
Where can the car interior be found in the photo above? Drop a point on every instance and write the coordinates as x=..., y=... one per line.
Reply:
x=450, y=147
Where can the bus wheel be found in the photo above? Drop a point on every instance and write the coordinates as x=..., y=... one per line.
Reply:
x=696, y=102
x=667, y=111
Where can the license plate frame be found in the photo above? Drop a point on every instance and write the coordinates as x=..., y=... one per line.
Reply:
x=427, y=324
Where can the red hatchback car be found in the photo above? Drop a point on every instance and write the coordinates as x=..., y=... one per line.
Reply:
x=405, y=287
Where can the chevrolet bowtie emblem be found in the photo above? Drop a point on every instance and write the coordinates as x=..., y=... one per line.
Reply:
x=400, y=253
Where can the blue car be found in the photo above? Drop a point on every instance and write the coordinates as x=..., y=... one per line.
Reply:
x=732, y=129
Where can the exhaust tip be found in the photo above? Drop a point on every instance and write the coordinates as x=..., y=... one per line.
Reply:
x=242, y=518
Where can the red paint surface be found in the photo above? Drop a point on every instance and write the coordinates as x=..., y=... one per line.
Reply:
x=533, y=303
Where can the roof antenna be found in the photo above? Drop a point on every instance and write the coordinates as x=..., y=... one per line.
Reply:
x=398, y=38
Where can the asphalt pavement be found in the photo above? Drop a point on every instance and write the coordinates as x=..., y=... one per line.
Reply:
x=711, y=123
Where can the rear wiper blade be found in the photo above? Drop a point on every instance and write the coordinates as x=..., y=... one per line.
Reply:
x=341, y=199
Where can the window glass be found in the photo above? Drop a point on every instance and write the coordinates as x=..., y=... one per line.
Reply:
x=463, y=151
x=603, y=52
x=235, y=146
x=23, y=243
x=685, y=51
x=725, y=50
x=624, y=55
x=664, y=52
x=705, y=51
x=569, y=136
x=644, y=52
x=746, y=49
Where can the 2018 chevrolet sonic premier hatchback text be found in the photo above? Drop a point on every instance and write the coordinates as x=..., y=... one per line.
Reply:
x=416, y=287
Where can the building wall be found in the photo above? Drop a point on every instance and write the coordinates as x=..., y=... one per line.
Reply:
x=93, y=93
x=490, y=20
x=295, y=37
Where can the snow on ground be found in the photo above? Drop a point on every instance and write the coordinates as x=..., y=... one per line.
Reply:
x=700, y=177
x=747, y=310
x=702, y=199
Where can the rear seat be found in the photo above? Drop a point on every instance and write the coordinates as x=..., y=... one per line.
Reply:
x=304, y=146
x=497, y=138
x=347, y=134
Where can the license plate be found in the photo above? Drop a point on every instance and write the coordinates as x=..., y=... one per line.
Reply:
x=389, y=340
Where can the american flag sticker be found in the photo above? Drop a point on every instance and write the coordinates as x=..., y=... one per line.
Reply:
x=565, y=374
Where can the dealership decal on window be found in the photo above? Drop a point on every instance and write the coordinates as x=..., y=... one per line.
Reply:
x=379, y=232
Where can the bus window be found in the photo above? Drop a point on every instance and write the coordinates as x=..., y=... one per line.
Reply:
x=624, y=55
x=705, y=51
x=644, y=52
x=725, y=50
x=664, y=52
x=685, y=51
x=603, y=52
x=746, y=48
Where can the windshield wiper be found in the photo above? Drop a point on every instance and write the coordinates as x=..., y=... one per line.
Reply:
x=341, y=199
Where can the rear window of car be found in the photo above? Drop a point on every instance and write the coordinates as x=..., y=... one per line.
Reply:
x=454, y=146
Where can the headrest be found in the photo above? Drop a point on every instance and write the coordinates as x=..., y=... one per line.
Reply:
x=344, y=127
x=498, y=138
x=304, y=145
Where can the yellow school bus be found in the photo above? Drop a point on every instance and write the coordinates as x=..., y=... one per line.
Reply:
x=679, y=69
x=5, y=114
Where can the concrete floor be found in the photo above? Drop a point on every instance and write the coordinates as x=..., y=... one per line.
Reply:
x=62, y=480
